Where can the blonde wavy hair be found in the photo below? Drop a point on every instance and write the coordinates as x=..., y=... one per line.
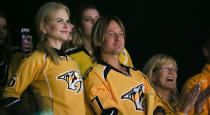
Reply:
x=153, y=63
x=45, y=13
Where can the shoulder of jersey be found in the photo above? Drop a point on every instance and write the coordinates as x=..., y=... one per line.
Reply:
x=125, y=51
x=196, y=78
x=143, y=74
x=87, y=72
x=35, y=55
x=133, y=68
x=18, y=51
x=138, y=71
x=28, y=54
x=72, y=50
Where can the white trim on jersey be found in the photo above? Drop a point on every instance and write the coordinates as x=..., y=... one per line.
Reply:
x=103, y=73
x=11, y=103
x=45, y=57
x=105, y=80
x=126, y=57
x=70, y=49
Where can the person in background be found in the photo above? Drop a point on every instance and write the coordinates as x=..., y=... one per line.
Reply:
x=204, y=79
x=111, y=87
x=161, y=69
x=53, y=76
x=10, y=54
x=86, y=17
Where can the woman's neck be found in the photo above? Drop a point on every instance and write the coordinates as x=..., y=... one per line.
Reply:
x=164, y=93
x=87, y=44
x=55, y=43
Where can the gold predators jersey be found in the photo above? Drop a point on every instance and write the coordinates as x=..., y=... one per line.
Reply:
x=169, y=110
x=204, y=79
x=125, y=58
x=16, y=57
x=57, y=87
x=84, y=61
x=106, y=87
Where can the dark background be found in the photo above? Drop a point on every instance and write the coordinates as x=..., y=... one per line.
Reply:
x=153, y=26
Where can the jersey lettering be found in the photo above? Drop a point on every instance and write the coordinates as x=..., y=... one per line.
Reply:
x=73, y=80
x=137, y=96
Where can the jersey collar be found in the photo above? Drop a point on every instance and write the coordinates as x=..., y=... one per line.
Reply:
x=111, y=67
x=85, y=50
x=59, y=52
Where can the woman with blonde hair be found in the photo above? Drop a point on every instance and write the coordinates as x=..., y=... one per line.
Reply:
x=161, y=69
x=53, y=76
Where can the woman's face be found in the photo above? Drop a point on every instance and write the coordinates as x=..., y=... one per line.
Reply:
x=89, y=18
x=114, y=39
x=165, y=76
x=59, y=26
x=3, y=30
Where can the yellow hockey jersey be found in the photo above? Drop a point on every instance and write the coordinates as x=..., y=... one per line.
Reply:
x=204, y=79
x=169, y=110
x=58, y=88
x=84, y=61
x=106, y=87
x=16, y=56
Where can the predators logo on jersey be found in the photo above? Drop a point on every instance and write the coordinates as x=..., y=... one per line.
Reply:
x=74, y=80
x=136, y=95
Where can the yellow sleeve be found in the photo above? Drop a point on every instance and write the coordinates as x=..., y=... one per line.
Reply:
x=15, y=60
x=186, y=89
x=98, y=93
x=125, y=58
x=15, y=63
x=24, y=76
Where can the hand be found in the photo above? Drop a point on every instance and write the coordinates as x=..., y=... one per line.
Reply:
x=204, y=95
x=27, y=45
x=190, y=99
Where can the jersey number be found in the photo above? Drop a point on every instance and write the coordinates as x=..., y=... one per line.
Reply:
x=12, y=81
